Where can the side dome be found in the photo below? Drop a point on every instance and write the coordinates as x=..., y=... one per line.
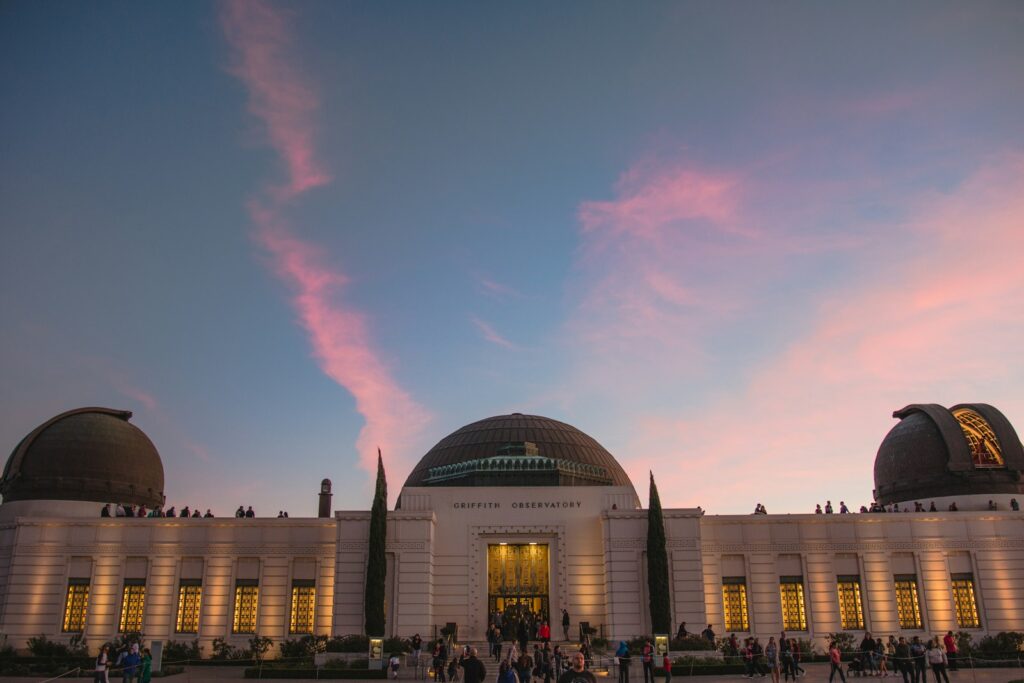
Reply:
x=935, y=452
x=88, y=454
x=518, y=450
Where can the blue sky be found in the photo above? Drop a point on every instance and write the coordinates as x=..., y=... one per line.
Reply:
x=727, y=240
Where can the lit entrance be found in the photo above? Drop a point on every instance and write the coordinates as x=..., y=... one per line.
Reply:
x=517, y=581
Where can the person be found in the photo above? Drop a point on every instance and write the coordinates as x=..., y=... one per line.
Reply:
x=524, y=667
x=577, y=672
x=681, y=633
x=708, y=634
x=146, y=668
x=883, y=667
x=565, y=624
x=817, y=509
x=748, y=658
x=937, y=658
x=544, y=632
x=185, y=512
x=786, y=657
x=666, y=665
x=506, y=674
x=208, y=513
x=949, y=641
x=901, y=660
x=843, y=510
x=393, y=664
x=771, y=654
x=523, y=635
x=734, y=645
x=130, y=663
x=647, y=659
x=991, y=506
x=867, y=653
x=917, y=654
x=240, y=512
x=440, y=659
x=102, y=665
x=624, y=659
x=835, y=658
x=559, y=660
x=931, y=508
x=794, y=646
x=1014, y=505
x=417, y=647
x=249, y=512
x=953, y=507
x=105, y=510
x=828, y=507
x=758, y=652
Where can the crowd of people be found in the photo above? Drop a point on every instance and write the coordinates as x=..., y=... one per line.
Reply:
x=126, y=510
x=133, y=662
x=910, y=659
x=894, y=507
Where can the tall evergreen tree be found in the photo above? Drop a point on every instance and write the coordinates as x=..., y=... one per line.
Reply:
x=657, y=565
x=376, y=565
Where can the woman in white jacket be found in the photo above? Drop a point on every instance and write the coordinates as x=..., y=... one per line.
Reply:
x=937, y=658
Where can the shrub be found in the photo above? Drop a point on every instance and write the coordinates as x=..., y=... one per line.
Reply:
x=179, y=652
x=964, y=643
x=41, y=646
x=599, y=643
x=396, y=644
x=303, y=647
x=222, y=649
x=350, y=643
x=847, y=642
x=359, y=664
x=693, y=642
x=1003, y=642
x=258, y=646
x=807, y=647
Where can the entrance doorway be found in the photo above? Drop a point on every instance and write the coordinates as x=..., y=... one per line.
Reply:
x=517, y=584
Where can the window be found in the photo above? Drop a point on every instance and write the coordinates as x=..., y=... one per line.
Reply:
x=190, y=594
x=132, y=601
x=791, y=593
x=303, y=603
x=76, y=605
x=981, y=438
x=907, y=606
x=964, y=601
x=734, y=601
x=247, y=594
x=851, y=610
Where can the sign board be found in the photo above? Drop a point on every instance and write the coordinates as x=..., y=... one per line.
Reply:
x=156, y=649
x=661, y=645
x=376, y=653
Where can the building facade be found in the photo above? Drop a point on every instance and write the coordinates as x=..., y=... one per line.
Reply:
x=510, y=514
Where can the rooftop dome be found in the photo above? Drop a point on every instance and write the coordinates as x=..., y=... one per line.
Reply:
x=969, y=449
x=518, y=450
x=88, y=454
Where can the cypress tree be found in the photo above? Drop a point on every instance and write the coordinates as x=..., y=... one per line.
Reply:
x=657, y=565
x=376, y=565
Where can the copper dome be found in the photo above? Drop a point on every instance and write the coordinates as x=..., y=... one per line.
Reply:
x=934, y=452
x=514, y=450
x=89, y=454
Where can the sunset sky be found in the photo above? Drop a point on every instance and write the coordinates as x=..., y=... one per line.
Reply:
x=727, y=240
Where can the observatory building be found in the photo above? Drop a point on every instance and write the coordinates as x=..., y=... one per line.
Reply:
x=514, y=512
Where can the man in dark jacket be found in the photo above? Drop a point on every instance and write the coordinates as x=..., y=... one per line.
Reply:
x=473, y=670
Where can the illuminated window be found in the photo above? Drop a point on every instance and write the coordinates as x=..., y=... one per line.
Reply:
x=132, y=601
x=851, y=609
x=963, y=599
x=981, y=439
x=76, y=605
x=303, y=603
x=247, y=594
x=190, y=594
x=791, y=592
x=734, y=600
x=907, y=606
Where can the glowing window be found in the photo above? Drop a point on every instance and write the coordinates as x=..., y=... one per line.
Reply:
x=246, y=600
x=133, y=601
x=964, y=601
x=791, y=593
x=981, y=439
x=851, y=609
x=734, y=601
x=303, y=607
x=907, y=606
x=76, y=605
x=190, y=594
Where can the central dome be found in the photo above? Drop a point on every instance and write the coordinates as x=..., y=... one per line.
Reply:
x=518, y=450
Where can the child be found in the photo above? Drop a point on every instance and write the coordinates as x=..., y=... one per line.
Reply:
x=666, y=664
x=393, y=665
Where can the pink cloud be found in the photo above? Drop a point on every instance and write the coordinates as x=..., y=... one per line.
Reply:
x=491, y=335
x=498, y=290
x=260, y=39
x=338, y=333
x=940, y=323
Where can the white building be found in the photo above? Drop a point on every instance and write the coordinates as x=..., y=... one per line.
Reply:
x=511, y=510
